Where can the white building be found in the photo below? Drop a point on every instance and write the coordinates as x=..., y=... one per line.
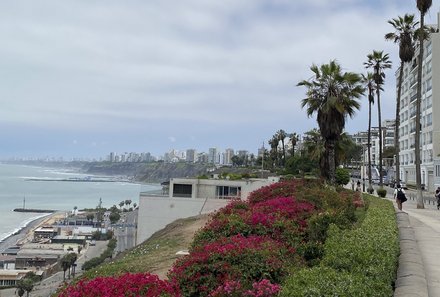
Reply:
x=430, y=124
x=190, y=197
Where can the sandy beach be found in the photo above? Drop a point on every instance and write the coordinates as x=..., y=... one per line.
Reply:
x=26, y=234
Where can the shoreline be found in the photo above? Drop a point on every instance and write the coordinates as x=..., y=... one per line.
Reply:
x=25, y=233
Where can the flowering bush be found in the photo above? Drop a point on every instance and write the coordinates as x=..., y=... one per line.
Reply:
x=263, y=288
x=280, y=189
x=282, y=218
x=244, y=259
x=141, y=284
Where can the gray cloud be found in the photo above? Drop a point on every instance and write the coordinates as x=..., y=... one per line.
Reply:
x=186, y=68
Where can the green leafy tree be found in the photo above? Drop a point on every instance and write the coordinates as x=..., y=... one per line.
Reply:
x=403, y=35
x=379, y=61
x=423, y=6
x=333, y=95
x=25, y=285
x=114, y=217
x=90, y=216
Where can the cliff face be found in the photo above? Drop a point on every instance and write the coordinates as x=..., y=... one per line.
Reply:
x=147, y=172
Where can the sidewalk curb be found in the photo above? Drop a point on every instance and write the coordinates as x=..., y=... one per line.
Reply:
x=411, y=280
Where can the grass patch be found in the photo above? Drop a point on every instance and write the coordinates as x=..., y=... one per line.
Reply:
x=156, y=254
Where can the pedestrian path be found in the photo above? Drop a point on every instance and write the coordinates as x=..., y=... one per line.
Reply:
x=419, y=264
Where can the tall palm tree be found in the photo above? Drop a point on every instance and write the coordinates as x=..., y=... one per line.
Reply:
x=405, y=28
x=273, y=142
x=423, y=6
x=333, y=95
x=293, y=140
x=281, y=136
x=379, y=61
x=369, y=83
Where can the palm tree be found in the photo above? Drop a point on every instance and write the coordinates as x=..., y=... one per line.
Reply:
x=379, y=61
x=405, y=28
x=333, y=95
x=423, y=6
x=273, y=142
x=281, y=136
x=293, y=141
x=369, y=82
x=314, y=146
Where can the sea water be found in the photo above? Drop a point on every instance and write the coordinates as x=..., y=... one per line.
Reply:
x=17, y=190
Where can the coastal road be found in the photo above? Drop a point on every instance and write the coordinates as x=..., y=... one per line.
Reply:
x=125, y=231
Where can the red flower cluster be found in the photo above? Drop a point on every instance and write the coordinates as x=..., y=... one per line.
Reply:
x=357, y=200
x=231, y=258
x=281, y=189
x=280, y=218
x=133, y=285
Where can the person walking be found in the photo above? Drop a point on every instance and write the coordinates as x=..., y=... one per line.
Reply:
x=437, y=197
x=399, y=195
x=358, y=186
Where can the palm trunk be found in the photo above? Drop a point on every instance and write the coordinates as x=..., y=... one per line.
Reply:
x=420, y=203
x=370, y=186
x=331, y=161
x=379, y=116
x=397, y=123
x=284, y=153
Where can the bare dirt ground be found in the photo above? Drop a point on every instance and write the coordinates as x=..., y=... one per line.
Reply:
x=182, y=231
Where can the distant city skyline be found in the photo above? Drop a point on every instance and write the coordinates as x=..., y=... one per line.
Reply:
x=83, y=78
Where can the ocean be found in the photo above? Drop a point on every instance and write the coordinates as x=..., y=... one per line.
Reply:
x=16, y=188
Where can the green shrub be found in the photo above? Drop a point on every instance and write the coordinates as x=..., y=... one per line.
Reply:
x=371, y=249
x=325, y=281
x=357, y=262
x=381, y=192
x=342, y=176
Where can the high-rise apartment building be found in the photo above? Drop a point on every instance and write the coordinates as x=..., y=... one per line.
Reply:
x=227, y=157
x=213, y=156
x=430, y=124
x=190, y=155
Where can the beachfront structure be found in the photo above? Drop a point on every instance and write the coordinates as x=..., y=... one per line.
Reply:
x=44, y=232
x=7, y=262
x=66, y=239
x=9, y=278
x=38, y=255
x=430, y=119
x=190, y=197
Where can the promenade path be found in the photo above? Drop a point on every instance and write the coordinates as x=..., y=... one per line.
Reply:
x=419, y=231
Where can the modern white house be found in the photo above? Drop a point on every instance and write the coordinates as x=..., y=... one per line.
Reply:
x=186, y=197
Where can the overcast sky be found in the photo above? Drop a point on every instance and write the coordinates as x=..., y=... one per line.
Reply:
x=84, y=78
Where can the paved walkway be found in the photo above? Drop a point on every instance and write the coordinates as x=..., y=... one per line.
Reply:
x=419, y=262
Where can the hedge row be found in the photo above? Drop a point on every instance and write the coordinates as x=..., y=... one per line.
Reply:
x=358, y=262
